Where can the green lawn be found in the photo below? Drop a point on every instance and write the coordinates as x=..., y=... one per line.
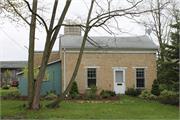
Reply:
x=125, y=108
x=9, y=90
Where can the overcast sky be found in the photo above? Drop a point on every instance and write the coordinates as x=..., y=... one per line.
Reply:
x=13, y=41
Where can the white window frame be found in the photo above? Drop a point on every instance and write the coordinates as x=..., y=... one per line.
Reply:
x=88, y=67
x=144, y=77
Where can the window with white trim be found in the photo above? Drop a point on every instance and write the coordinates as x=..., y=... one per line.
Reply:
x=91, y=77
x=140, y=77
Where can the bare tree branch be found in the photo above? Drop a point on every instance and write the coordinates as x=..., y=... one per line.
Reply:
x=37, y=15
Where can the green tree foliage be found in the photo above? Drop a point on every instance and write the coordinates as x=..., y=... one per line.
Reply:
x=7, y=75
x=168, y=71
x=155, y=88
x=8, y=14
x=36, y=72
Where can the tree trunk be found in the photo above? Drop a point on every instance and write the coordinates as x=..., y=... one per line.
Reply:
x=46, y=54
x=60, y=99
x=31, y=56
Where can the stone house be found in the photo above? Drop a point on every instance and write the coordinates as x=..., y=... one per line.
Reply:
x=111, y=63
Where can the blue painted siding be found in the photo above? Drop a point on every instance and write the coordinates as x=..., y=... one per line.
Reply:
x=54, y=83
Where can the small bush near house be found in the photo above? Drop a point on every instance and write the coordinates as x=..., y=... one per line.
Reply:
x=147, y=95
x=162, y=87
x=5, y=87
x=133, y=92
x=74, y=92
x=74, y=88
x=51, y=96
x=92, y=93
x=168, y=97
x=155, y=88
x=75, y=95
x=13, y=95
x=52, y=91
x=107, y=93
x=93, y=89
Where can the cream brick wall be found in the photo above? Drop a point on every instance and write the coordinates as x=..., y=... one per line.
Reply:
x=38, y=58
x=105, y=62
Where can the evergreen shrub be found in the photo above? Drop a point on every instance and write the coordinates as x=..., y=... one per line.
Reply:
x=162, y=87
x=74, y=92
x=155, y=88
x=74, y=88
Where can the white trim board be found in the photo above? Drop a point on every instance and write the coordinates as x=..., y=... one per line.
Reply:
x=122, y=68
x=139, y=67
x=112, y=52
x=91, y=67
x=41, y=52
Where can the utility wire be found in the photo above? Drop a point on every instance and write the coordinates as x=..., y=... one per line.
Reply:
x=13, y=40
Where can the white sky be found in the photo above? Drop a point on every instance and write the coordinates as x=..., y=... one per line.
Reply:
x=13, y=40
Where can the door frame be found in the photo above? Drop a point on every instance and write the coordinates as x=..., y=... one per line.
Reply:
x=124, y=75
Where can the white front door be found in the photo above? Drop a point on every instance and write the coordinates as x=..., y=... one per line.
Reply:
x=119, y=81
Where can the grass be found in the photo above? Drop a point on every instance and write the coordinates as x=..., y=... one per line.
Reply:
x=3, y=91
x=125, y=108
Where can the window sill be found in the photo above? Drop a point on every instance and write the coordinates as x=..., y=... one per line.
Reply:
x=88, y=89
x=140, y=88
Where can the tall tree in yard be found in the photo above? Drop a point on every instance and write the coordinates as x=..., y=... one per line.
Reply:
x=158, y=21
x=51, y=35
x=31, y=55
x=97, y=18
x=169, y=69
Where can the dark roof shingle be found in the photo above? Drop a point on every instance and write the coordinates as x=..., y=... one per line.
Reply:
x=12, y=64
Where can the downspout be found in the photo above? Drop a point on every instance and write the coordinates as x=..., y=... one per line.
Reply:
x=64, y=69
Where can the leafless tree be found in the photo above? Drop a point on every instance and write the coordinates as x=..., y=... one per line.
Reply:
x=159, y=20
x=96, y=18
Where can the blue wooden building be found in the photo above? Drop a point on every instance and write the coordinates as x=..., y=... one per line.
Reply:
x=54, y=83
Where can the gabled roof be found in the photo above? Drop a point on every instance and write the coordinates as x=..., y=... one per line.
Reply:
x=110, y=42
x=12, y=64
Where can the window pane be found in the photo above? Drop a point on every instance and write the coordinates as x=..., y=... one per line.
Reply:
x=140, y=77
x=91, y=82
x=119, y=76
x=140, y=83
x=140, y=73
x=91, y=74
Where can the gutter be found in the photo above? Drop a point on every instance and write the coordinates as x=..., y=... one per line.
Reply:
x=64, y=69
